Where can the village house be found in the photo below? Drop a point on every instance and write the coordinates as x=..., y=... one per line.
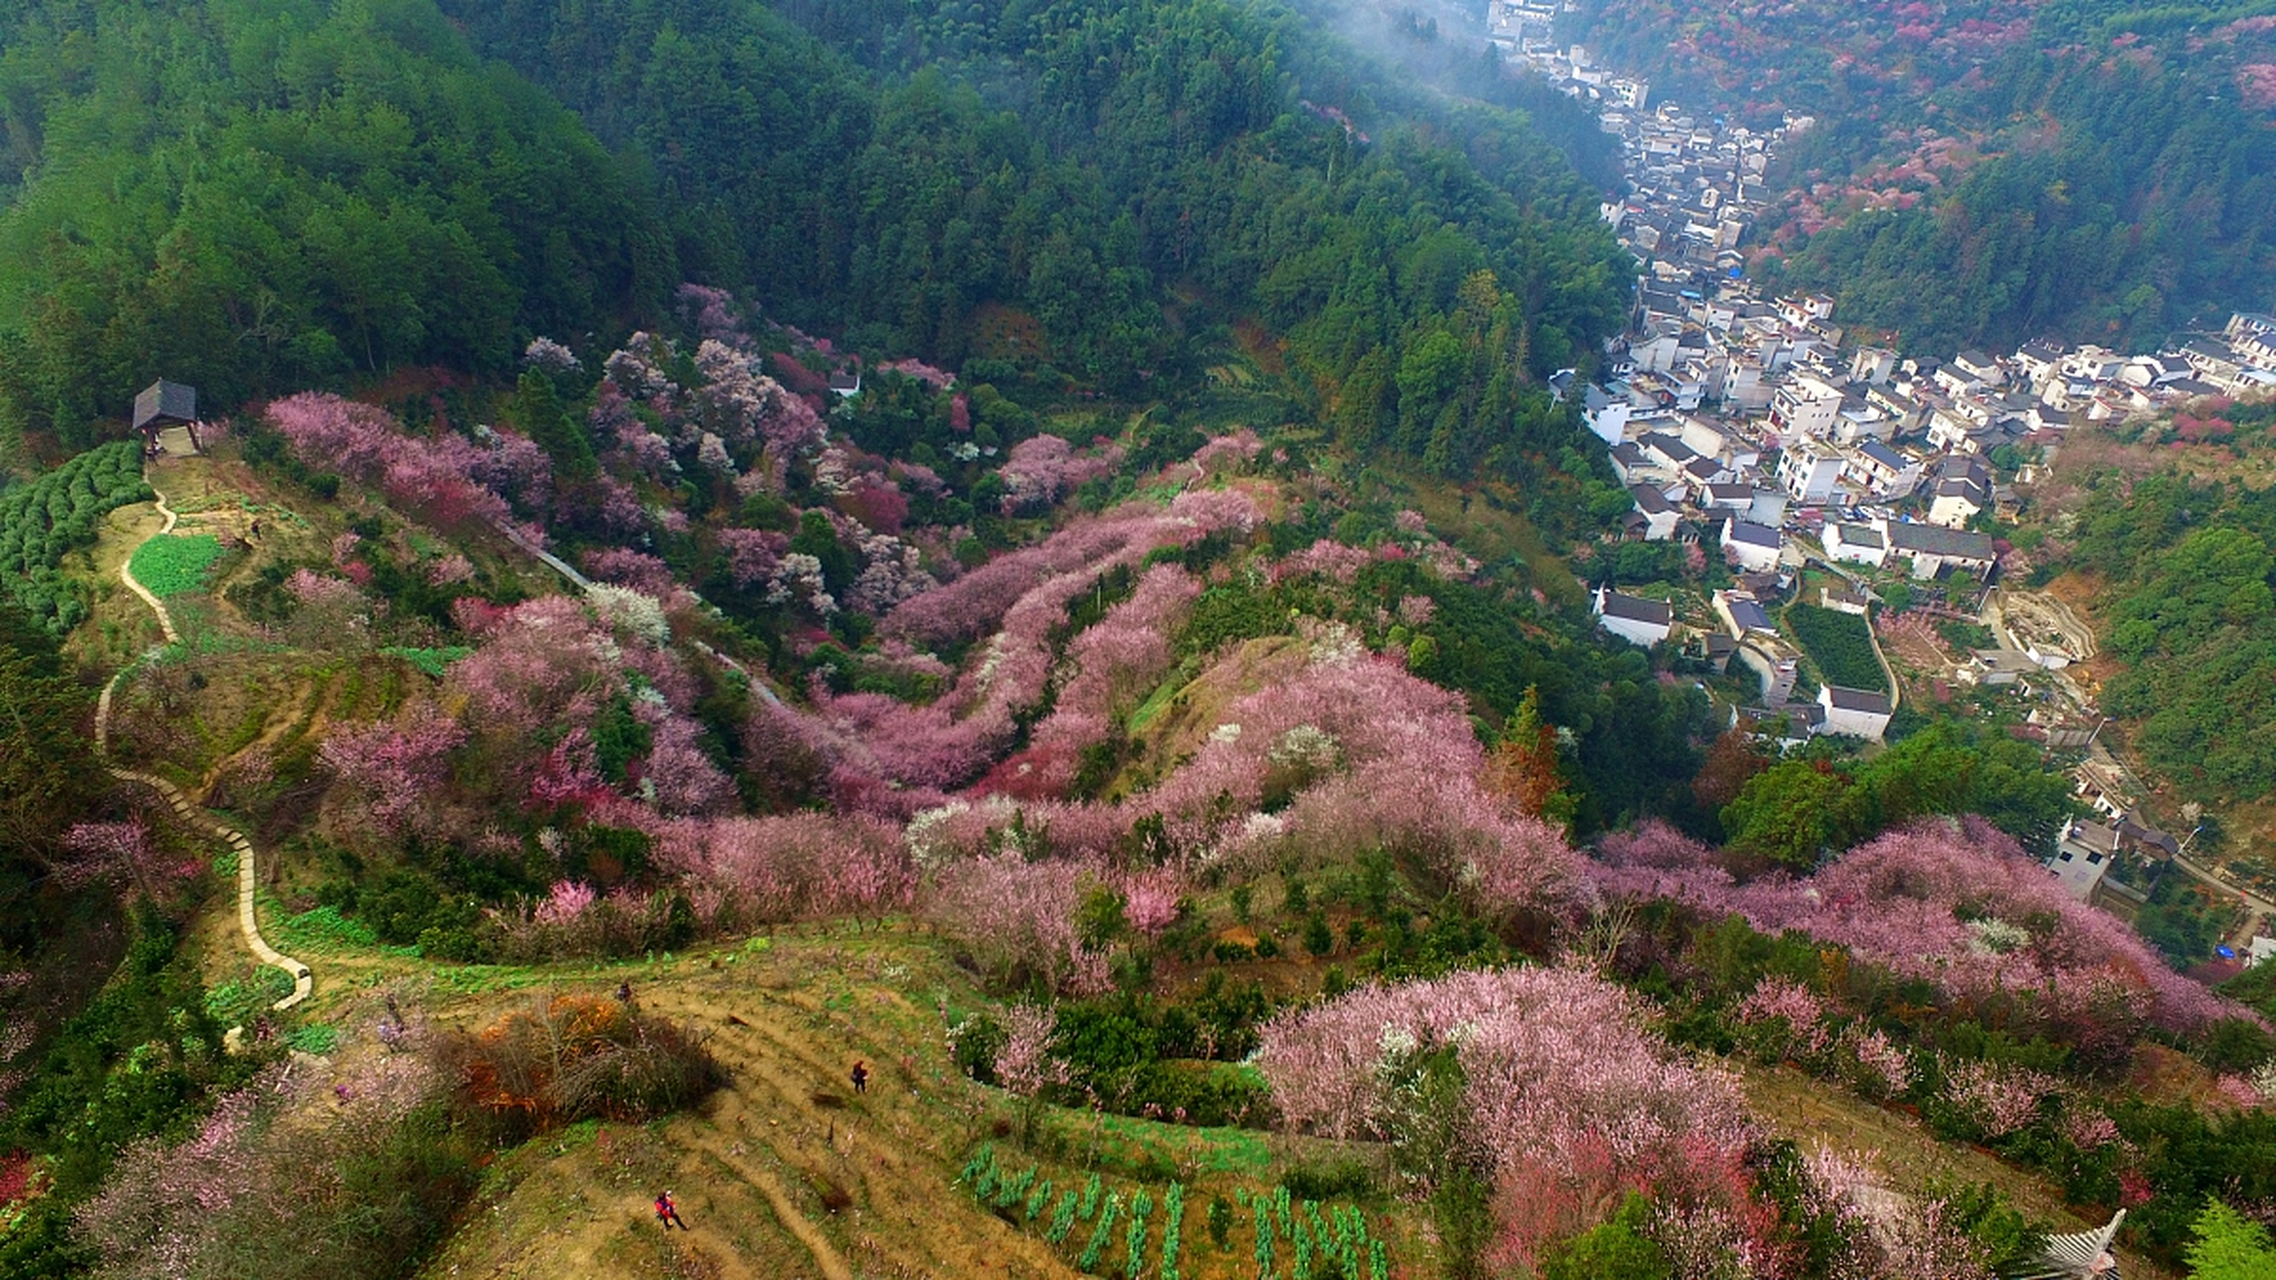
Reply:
x=1855, y=544
x=1933, y=549
x=1882, y=471
x=1975, y=366
x=1667, y=451
x=1751, y=546
x=1963, y=489
x=1605, y=413
x=1628, y=462
x=1744, y=615
x=1659, y=515
x=1805, y=405
x=1843, y=600
x=2083, y=854
x=1809, y=470
x=2252, y=337
x=1856, y=713
x=1632, y=618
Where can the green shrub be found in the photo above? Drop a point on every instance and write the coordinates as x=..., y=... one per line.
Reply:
x=47, y=518
x=1336, y=1180
x=1221, y=1223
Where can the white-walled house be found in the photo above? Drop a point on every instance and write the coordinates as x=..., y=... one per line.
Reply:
x=1606, y=414
x=1660, y=515
x=1855, y=544
x=1883, y=471
x=1933, y=548
x=1752, y=547
x=2083, y=854
x=1744, y=615
x=1809, y=471
x=1963, y=489
x=1632, y=618
x=1858, y=713
x=1804, y=406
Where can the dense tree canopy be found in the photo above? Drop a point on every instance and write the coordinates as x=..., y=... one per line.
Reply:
x=938, y=178
x=2187, y=571
x=250, y=195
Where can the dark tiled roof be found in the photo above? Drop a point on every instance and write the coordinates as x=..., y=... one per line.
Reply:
x=1754, y=535
x=1857, y=700
x=1634, y=609
x=167, y=401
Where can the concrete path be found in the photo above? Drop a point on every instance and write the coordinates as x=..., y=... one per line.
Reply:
x=194, y=818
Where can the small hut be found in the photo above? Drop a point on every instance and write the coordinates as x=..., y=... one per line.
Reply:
x=166, y=404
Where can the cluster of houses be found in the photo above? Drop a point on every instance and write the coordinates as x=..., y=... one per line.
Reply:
x=1724, y=407
x=1750, y=420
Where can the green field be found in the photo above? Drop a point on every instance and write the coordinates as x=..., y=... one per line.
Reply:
x=176, y=563
x=1840, y=645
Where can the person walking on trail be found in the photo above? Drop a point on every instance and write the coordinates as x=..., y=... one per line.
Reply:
x=860, y=1077
x=668, y=1213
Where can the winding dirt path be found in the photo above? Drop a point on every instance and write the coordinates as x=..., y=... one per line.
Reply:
x=190, y=816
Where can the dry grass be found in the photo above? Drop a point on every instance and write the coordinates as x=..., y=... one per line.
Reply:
x=787, y=1173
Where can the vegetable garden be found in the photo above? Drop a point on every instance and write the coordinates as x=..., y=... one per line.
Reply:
x=1297, y=1238
x=1841, y=644
x=176, y=563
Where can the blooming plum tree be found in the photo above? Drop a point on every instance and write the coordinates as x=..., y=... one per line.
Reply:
x=1567, y=1097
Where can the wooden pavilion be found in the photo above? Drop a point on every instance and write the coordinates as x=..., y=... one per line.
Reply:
x=166, y=404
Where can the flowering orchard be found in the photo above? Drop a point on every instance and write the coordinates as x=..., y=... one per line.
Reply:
x=1958, y=905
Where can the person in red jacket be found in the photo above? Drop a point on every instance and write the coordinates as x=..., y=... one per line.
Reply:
x=668, y=1213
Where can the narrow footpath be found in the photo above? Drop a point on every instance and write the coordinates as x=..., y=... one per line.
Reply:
x=194, y=818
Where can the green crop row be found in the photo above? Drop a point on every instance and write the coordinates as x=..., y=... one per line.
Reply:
x=1321, y=1239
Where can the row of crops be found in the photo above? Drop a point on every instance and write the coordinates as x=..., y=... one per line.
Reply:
x=1291, y=1238
x=43, y=520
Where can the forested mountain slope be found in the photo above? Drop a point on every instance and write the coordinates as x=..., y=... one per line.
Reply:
x=250, y=196
x=1080, y=162
x=1982, y=173
x=255, y=197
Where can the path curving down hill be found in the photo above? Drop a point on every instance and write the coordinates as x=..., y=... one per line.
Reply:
x=190, y=815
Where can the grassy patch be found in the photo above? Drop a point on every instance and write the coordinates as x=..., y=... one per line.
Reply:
x=240, y=999
x=315, y=1038
x=175, y=563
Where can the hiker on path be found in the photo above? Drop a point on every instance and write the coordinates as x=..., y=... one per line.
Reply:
x=860, y=1077
x=668, y=1213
